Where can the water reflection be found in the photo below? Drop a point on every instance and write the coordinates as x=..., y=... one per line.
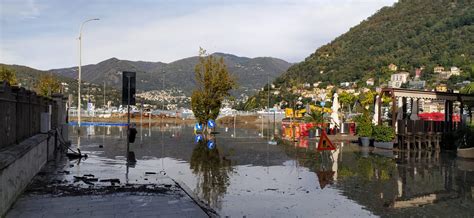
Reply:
x=212, y=170
x=245, y=176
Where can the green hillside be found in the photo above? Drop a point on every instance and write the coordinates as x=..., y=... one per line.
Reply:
x=29, y=77
x=410, y=34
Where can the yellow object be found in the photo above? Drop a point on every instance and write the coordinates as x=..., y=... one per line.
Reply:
x=302, y=112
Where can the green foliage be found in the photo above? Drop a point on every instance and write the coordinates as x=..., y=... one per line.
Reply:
x=468, y=89
x=347, y=99
x=314, y=116
x=464, y=137
x=213, y=84
x=47, y=85
x=364, y=126
x=409, y=34
x=9, y=75
x=367, y=99
x=364, y=129
x=383, y=133
x=213, y=171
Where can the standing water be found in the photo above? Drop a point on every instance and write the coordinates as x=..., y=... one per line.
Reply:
x=244, y=175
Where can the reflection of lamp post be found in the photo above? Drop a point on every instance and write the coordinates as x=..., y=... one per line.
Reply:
x=79, y=77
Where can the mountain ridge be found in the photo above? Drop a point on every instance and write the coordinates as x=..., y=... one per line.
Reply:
x=179, y=73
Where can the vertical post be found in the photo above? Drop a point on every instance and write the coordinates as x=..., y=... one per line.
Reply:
x=446, y=115
x=141, y=122
x=461, y=111
x=451, y=109
x=394, y=111
x=104, y=95
x=235, y=117
x=79, y=82
x=274, y=127
x=379, y=118
x=128, y=116
x=404, y=108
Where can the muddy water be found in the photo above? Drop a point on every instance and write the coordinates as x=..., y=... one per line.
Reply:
x=245, y=176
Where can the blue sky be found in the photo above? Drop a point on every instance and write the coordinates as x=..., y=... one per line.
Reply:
x=43, y=33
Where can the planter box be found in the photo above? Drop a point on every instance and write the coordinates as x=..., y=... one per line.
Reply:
x=311, y=133
x=384, y=145
x=364, y=141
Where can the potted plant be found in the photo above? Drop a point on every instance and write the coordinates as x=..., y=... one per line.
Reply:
x=364, y=131
x=312, y=132
x=383, y=136
x=315, y=117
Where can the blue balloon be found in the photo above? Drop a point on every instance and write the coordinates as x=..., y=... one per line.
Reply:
x=210, y=144
x=198, y=138
x=211, y=123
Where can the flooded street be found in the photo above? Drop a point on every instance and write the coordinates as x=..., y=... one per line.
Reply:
x=246, y=176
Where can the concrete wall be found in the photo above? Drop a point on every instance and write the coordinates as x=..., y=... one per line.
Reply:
x=19, y=164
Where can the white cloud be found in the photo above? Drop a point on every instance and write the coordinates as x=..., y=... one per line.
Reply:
x=286, y=30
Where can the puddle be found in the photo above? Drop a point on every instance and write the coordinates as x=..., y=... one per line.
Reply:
x=244, y=175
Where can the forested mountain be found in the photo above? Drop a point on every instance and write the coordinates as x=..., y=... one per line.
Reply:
x=29, y=77
x=409, y=34
x=251, y=73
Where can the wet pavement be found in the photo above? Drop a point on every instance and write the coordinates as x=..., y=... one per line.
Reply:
x=244, y=175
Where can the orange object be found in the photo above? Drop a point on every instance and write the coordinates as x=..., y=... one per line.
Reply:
x=325, y=143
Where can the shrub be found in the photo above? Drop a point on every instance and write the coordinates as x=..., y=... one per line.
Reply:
x=383, y=133
x=364, y=125
x=364, y=129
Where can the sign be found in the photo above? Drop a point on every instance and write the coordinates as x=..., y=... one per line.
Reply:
x=211, y=123
x=198, y=138
x=325, y=178
x=325, y=143
x=198, y=127
x=211, y=144
x=128, y=81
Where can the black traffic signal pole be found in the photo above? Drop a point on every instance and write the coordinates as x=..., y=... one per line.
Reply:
x=128, y=118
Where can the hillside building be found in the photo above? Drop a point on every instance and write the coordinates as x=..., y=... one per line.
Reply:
x=370, y=82
x=438, y=69
x=446, y=74
x=441, y=88
x=393, y=67
x=397, y=79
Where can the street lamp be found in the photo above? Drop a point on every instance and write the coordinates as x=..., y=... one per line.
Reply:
x=79, y=78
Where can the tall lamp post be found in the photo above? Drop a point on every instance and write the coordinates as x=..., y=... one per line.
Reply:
x=79, y=77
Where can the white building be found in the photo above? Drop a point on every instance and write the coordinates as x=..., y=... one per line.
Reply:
x=455, y=71
x=397, y=79
x=370, y=82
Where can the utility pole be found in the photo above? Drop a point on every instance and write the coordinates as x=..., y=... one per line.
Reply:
x=79, y=76
x=128, y=118
x=104, y=95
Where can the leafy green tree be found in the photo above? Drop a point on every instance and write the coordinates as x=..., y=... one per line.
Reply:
x=367, y=98
x=9, y=75
x=213, y=84
x=347, y=99
x=47, y=85
x=213, y=170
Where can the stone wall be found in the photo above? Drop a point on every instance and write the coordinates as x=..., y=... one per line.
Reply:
x=23, y=149
x=19, y=164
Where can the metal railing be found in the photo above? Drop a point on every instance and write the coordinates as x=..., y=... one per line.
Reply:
x=20, y=114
